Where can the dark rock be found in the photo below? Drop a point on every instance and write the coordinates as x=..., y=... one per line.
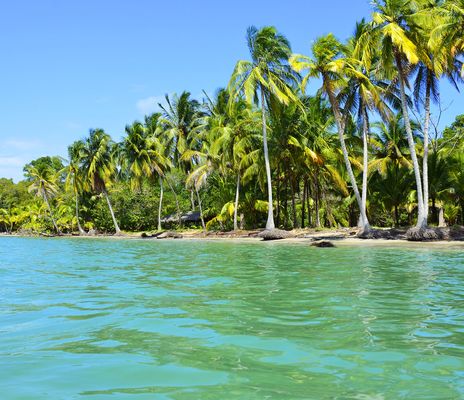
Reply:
x=274, y=234
x=323, y=243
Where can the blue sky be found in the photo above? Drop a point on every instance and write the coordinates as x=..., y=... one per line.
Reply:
x=69, y=66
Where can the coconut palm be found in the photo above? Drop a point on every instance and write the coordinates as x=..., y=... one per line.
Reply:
x=232, y=128
x=74, y=176
x=44, y=183
x=267, y=74
x=439, y=61
x=330, y=64
x=448, y=25
x=99, y=167
x=142, y=157
x=364, y=94
x=399, y=50
x=180, y=117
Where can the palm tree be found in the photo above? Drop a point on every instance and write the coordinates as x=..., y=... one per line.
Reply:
x=73, y=176
x=232, y=135
x=364, y=94
x=316, y=148
x=98, y=165
x=267, y=74
x=400, y=49
x=142, y=157
x=448, y=20
x=180, y=117
x=44, y=183
x=329, y=64
x=439, y=61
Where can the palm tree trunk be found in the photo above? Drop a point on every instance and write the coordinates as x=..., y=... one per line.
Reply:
x=192, y=200
x=278, y=196
x=116, y=226
x=365, y=159
x=303, y=202
x=341, y=132
x=176, y=200
x=79, y=227
x=270, y=213
x=201, y=210
x=160, y=202
x=421, y=223
x=237, y=194
x=51, y=213
x=295, y=222
x=317, y=199
x=425, y=167
x=308, y=201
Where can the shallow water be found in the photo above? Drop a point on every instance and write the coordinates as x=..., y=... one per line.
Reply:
x=120, y=319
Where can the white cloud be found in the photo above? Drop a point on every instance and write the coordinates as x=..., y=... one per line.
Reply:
x=11, y=162
x=137, y=88
x=73, y=126
x=21, y=144
x=149, y=104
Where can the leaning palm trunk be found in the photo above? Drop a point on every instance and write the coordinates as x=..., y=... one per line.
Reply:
x=425, y=168
x=179, y=220
x=51, y=213
x=270, y=214
x=341, y=131
x=79, y=227
x=160, y=202
x=365, y=160
x=421, y=222
x=317, y=199
x=201, y=210
x=116, y=226
x=237, y=195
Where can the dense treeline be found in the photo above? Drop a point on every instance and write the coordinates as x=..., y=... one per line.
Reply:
x=364, y=150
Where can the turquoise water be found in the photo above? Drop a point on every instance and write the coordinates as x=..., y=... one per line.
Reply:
x=120, y=319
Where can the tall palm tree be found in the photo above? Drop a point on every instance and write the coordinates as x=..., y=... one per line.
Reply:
x=439, y=61
x=267, y=74
x=98, y=165
x=44, y=183
x=329, y=63
x=180, y=117
x=448, y=20
x=399, y=49
x=73, y=176
x=232, y=128
x=364, y=94
x=142, y=157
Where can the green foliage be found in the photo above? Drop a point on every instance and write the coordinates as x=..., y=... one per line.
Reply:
x=263, y=144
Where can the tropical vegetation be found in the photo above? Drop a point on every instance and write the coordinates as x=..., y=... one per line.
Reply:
x=363, y=150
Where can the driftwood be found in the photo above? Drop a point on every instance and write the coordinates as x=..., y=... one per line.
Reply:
x=275, y=234
x=388, y=234
x=426, y=234
x=162, y=235
x=169, y=235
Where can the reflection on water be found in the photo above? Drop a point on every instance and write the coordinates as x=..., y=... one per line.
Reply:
x=201, y=320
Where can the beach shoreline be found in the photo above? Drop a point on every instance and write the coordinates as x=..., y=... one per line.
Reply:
x=337, y=237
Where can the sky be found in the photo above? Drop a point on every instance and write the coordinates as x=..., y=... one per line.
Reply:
x=69, y=66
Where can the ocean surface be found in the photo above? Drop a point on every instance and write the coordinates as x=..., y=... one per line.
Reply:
x=134, y=319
